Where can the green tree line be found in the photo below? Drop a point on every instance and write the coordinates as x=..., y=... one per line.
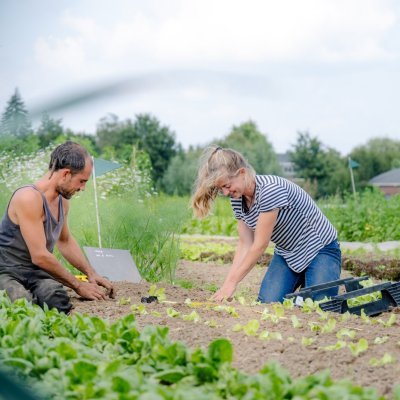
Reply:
x=321, y=170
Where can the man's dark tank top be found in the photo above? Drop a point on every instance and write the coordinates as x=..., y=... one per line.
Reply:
x=13, y=249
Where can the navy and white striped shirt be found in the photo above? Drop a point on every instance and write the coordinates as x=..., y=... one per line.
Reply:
x=301, y=229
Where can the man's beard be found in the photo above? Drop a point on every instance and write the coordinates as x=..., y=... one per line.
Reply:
x=67, y=194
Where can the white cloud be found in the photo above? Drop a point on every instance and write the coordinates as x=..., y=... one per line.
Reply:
x=213, y=33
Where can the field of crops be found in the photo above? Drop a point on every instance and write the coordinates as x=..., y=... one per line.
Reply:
x=183, y=346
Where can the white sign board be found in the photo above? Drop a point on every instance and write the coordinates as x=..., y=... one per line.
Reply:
x=114, y=264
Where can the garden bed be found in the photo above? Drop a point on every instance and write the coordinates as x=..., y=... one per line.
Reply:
x=364, y=350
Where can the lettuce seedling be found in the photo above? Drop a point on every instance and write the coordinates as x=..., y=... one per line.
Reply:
x=307, y=341
x=193, y=316
x=139, y=309
x=346, y=332
x=340, y=344
x=172, y=313
x=295, y=322
x=386, y=359
x=381, y=340
x=266, y=335
x=359, y=347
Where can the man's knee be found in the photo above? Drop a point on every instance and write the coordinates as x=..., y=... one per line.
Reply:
x=53, y=294
x=14, y=289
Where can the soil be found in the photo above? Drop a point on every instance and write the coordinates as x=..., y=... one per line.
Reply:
x=251, y=352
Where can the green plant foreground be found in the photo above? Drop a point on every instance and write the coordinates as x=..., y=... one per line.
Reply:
x=82, y=357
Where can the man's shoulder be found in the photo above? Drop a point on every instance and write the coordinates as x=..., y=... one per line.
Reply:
x=26, y=195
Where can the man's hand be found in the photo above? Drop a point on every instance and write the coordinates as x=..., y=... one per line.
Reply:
x=225, y=292
x=101, y=281
x=90, y=291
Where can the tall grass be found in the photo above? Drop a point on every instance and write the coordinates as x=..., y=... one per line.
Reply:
x=149, y=229
x=132, y=216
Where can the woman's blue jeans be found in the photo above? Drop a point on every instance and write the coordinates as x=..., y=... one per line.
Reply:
x=280, y=280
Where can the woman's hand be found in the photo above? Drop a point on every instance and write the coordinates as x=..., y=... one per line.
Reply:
x=225, y=292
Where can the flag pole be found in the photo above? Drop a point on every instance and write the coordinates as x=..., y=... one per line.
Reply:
x=352, y=177
x=96, y=203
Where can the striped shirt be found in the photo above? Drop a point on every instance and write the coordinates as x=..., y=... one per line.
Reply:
x=301, y=229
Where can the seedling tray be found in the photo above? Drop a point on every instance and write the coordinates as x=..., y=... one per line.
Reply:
x=390, y=292
x=310, y=291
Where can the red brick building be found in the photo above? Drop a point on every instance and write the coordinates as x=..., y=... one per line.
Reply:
x=388, y=182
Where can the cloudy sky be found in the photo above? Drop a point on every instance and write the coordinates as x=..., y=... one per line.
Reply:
x=329, y=67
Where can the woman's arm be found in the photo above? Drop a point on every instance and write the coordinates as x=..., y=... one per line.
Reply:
x=247, y=256
x=246, y=238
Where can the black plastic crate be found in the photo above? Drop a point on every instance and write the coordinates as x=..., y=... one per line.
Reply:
x=390, y=292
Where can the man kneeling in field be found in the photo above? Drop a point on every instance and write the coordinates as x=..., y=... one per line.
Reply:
x=34, y=222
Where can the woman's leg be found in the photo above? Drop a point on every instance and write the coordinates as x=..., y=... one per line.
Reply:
x=279, y=280
x=325, y=267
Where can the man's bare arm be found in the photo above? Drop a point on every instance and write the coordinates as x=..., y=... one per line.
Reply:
x=27, y=209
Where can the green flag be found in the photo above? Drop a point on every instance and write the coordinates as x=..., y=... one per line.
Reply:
x=101, y=167
x=353, y=164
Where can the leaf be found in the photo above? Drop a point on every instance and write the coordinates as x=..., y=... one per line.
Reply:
x=295, y=322
x=346, y=332
x=329, y=326
x=120, y=384
x=288, y=304
x=170, y=376
x=391, y=320
x=307, y=341
x=155, y=313
x=212, y=323
x=83, y=371
x=279, y=310
x=172, y=313
x=359, y=347
x=381, y=340
x=314, y=326
x=340, y=344
x=220, y=351
x=193, y=316
x=365, y=317
x=251, y=327
x=158, y=292
x=386, y=359
x=139, y=309
x=123, y=301
x=267, y=335
x=237, y=328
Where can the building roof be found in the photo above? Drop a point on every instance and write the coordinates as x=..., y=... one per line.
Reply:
x=389, y=178
x=284, y=157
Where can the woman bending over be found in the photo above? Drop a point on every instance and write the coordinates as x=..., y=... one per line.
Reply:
x=269, y=208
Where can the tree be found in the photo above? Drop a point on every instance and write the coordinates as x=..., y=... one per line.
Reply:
x=378, y=155
x=181, y=173
x=157, y=141
x=15, y=120
x=146, y=133
x=321, y=167
x=49, y=130
x=255, y=146
x=111, y=132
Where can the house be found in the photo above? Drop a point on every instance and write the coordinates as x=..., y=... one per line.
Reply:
x=388, y=182
x=286, y=165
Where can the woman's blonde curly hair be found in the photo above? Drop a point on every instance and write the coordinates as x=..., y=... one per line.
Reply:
x=216, y=163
